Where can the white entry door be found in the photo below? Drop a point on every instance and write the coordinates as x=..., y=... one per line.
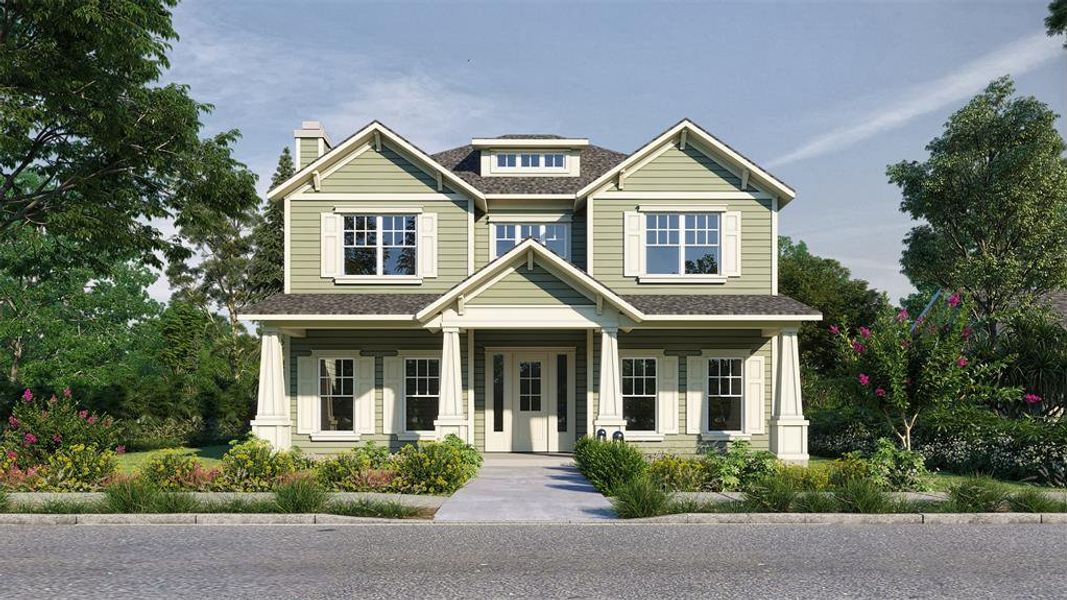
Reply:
x=531, y=397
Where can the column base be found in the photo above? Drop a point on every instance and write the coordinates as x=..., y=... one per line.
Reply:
x=610, y=426
x=789, y=439
x=451, y=425
x=276, y=430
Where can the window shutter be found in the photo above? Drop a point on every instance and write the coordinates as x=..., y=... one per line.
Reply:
x=696, y=369
x=754, y=394
x=330, y=245
x=667, y=414
x=731, y=244
x=365, y=394
x=632, y=250
x=307, y=394
x=392, y=401
x=427, y=249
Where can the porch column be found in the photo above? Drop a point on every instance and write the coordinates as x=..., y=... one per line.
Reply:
x=609, y=413
x=272, y=422
x=450, y=418
x=789, y=429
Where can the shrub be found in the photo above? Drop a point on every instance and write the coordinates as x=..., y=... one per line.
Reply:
x=1034, y=501
x=5, y=501
x=438, y=468
x=300, y=493
x=810, y=479
x=37, y=428
x=132, y=495
x=153, y=433
x=835, y=432
x=816, y=502
x=377, y=508
x=253, y=466
x=609, y=463
x=79, y=468
x=771, y=494
x=640, y=497
x=677, y=473
x=358, y=470
x=864, y=496
x=176, y=502
x=849, y=467
x=739, y=466
x=896, y=469
x=978, y=494
x=172, y=471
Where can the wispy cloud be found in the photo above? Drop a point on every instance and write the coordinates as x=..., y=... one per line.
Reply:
x=1016, y=58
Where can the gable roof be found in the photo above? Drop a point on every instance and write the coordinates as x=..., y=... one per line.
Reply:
x=757, y=175
x=368, y=133
x=568, y=273
x=465, y=161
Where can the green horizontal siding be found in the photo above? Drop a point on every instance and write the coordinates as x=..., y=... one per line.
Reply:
x=677, y=170
x=309, y=151
x=537, y=287
x=384, y=171
x=482, y=236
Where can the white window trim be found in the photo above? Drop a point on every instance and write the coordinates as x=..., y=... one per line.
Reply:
x=401, y=394
x=723, y=435
x=680, y=278
x=317, y=434
x=493, y=239
x=518, y=168
x=415, y=279
x=657, y=434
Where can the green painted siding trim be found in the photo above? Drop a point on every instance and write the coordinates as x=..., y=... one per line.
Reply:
x=756, y=248
x=305, y=267
x=536, y=287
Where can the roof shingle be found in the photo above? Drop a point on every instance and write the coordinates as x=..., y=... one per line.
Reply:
x=341, y=304
x=723, y=304
x=465, y=161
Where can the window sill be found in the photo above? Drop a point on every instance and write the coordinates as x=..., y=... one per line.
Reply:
x=376, y=280
x=720, y=436
x=700, y=279
x=643, y=436
x=334, y=436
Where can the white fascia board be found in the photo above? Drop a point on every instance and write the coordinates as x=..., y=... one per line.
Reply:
x=529, y=196
x=520, y=143
x=732, y=318
x=313, y=317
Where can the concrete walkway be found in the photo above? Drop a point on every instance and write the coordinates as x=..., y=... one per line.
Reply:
x=527, y=487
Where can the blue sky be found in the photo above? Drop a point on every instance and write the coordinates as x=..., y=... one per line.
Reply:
x=824, y=94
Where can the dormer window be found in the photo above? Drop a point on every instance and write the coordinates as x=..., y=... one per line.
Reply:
x=506, y=161
x=521, y=163
x=555, y=161
x=530, y=160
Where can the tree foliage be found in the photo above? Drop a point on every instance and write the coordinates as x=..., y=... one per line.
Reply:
x=266, y=274
x=824, y=284
x=992, y=197
x=1056, y=21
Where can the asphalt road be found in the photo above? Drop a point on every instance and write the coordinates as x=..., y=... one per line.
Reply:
x=534, y=561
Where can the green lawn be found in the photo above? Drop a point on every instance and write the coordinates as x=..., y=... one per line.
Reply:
x=211, y=456
x=940, y=481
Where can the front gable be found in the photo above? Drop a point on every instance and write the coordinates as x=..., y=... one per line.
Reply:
x=383, y=170
x=529, y=286
x=677, y=169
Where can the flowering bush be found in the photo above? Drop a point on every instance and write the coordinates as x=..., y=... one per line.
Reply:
x=79, y=468
x=173, y=471
x=358, y=470
x=38, y=428
x=904, y=367
x=435, y=467
x=253, y=466
x=678, y=473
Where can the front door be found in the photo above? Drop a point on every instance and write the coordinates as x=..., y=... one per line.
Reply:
x=531, y=396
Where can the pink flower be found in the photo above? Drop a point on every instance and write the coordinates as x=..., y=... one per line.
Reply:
x=120, y=449
x=11, y=455
x=1032, y=398
x=834, y=329
x=27, y=395
x=920, y=321
x=83, y=413
x=66, y=392
x=29, y=439
x=905, y=343
x=859, y=348
x=57, y=438
x=864, y=379
x=902, y=315
x=954, y=300
x=865, y=332
x=13, y=422
x=962, y=362
x=879, y=392
x=967, y=333
x=91, y=419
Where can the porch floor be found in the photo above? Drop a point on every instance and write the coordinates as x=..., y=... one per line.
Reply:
x=526, y=487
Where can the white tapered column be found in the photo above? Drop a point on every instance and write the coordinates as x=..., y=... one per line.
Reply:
x=609, y=412
x=450, y=417
x=272, y=422
x=789, y=428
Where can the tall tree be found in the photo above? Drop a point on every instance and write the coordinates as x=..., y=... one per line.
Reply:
x=824, y=284
x=266, y=273
x=993, y=199
x=1056, y=21
x=80, y=105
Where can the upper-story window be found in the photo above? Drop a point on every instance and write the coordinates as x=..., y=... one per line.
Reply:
x=683, y=244
x=505, y=161
x=534, y=162
x=382, y=245
x=554, y=236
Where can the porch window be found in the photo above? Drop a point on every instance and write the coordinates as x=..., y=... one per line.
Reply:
x=337, y=394
x=725, y=390
x=639, y=389
x=554, y=236
x=422, y=389
x=683, y=244
x=498, y=392
x=380, y=245
x=561, y=392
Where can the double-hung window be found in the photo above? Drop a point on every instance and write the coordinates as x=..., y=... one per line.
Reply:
x=380, y=245
x=554, y=236
x=422, y=392
x=337, y=383
x=639, y=392
x=725, y=394
x=683, y=243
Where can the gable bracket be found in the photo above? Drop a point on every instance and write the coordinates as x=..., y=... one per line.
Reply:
x=440, y=183
x=622, y=179
x=600, y=304
x=681, y=141
x=529, y=260
x=744, y=179
x=461, y=304
x=316, y=180
x=377, y=142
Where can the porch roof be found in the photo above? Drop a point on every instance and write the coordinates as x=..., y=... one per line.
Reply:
x=340, y=304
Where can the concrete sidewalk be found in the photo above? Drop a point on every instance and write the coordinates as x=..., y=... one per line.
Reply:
x=526, y=487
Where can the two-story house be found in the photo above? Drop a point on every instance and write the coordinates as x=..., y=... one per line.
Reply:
x=525, y=290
